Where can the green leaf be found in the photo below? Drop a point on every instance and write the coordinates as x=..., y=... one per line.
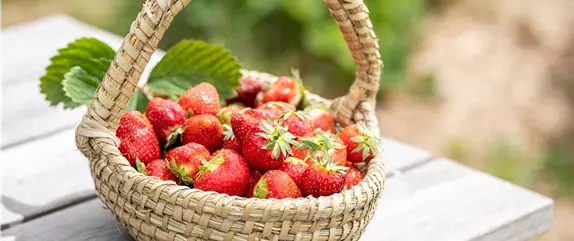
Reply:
x=91, y=55
x=191, y=62
x=80, y=85
x=138, y=101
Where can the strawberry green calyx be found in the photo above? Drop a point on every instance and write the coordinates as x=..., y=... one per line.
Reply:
x=179, y=172
x=280, y=140
x=260, y=190
x=321, y=142
x=303, y=102
x=295, y=161
x=330, y=167
x=299, y=114
x=211, y=165
x=367, y=142
x=173, y=136
x=140, y=167
x=228, y=133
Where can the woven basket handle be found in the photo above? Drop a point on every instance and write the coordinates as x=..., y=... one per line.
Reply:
x=151, y=23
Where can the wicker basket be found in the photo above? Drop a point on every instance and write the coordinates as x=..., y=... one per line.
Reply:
x=152, y=209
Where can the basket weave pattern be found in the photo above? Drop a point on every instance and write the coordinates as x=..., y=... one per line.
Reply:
x=152, y=209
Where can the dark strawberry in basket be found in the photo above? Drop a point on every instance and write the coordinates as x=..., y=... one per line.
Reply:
x=184, y=161
x=294, y=167
x=276, y=184
x=156, y=168
x=322, y=146
x=254, y=177
x=286, y=90
x=321, y=118
x=361, y=144
x=297, y=123
x=267, y=146
x=137, y=138
x=227, y=172
x=167, y=119
x=201, y=99
x=352, y=178
x=247, y=92
x=229, y=140
x=205, y=130
x=226, y=113
x=322, y=179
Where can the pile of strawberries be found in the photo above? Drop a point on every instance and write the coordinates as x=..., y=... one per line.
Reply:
x=259, y=145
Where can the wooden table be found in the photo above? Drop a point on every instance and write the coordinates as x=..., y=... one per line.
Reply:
x=48, y=193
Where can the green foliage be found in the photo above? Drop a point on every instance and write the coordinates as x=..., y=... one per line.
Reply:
x=191, y=62
x=90, y=56
x=559, y=164
x=79, y=69
x=138, y=101
x=274, y=36
x=507, y=162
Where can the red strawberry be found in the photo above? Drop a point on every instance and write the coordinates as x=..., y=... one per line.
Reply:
x=137, y=139
x=156, y=168
x=274, y=109
x=322, y=146
x=227, y=112
x=322, y=179
x=321, y=118
x=247, y=92
x=254, y=177
x=286, y=90
x=201, y=99
x=167, y=119
x=294, y=167
x=184, y=161
x=229, y=140
x=205, y=130
x=242, y=123
x=297, y=123
x=352, y=178
x=348, y=164
x=276, y=184
x=361, y=143
x=226, y=172
x=267, y=146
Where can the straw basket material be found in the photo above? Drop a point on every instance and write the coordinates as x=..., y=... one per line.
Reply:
x=152, y=209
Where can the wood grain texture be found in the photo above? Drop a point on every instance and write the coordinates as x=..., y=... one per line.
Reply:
x=440, y=200
x=26, y=114
x=443, y=200
x=43, y=175
x=86, y=221
x=9, y=217
x=400, y=156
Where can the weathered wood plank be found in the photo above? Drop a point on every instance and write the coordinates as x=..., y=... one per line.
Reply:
x=442, y=200
x=86, y=221
x=28, y=115
x=401, y=156
x=29, y=46
x=43, y=175
x=9, y=216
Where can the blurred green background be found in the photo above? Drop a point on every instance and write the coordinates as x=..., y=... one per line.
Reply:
x=488, y=83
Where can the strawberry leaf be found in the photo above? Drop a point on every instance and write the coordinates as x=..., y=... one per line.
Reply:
x=191, y=62
x=138, y=101
x=89, y=54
